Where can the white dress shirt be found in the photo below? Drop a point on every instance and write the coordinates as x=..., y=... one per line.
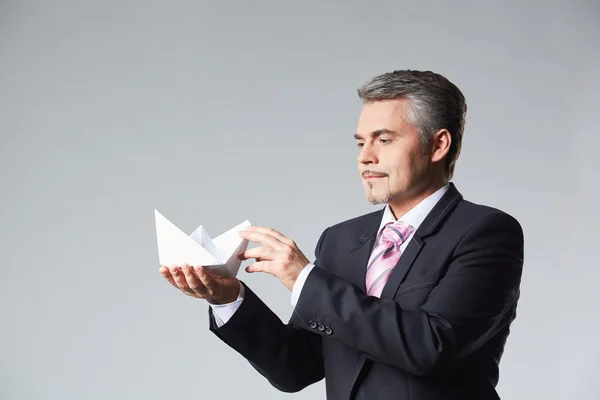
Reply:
x=415, y=216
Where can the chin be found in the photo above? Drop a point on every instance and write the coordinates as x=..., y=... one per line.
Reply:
x=377, y=201
x=378, y=198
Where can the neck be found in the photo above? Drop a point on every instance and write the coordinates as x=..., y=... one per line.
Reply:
x=403, y=203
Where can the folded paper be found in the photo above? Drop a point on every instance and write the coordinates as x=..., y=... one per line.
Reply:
x=218, y=255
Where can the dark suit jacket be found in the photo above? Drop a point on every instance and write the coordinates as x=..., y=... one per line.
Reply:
x=437, y=332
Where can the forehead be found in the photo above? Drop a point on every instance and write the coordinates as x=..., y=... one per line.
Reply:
x=383, y=114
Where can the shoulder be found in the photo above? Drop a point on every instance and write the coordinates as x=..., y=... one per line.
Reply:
x=473, y=214
x=479, y=223
x=356, y=225
x=351, y=229
x=363, y=220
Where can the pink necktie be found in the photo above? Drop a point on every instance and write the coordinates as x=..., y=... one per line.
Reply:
x=385, y=255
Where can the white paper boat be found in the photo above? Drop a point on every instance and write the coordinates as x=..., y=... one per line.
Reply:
x=218, y=255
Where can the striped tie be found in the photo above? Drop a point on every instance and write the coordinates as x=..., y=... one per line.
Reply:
x=385, y=256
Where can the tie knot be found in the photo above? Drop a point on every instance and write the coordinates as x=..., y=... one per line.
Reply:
x=397, y=232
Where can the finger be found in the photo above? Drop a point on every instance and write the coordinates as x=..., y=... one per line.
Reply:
x=261, y=266
x=205, y=278
x=193, y=282
x=271, y=232
x=263, y=238
x=178, y=277
x=164, y=271
x=262, y=252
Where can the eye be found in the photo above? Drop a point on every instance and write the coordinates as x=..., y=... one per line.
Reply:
x=359, y=145
x=384, y=140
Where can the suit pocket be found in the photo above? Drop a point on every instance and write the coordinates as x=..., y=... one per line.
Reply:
x=411, y=296
x=410, y=286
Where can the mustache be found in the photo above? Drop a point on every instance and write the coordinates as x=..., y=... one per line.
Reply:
x=374, y=173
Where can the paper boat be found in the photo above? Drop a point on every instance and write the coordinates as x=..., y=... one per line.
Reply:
x=218, y=255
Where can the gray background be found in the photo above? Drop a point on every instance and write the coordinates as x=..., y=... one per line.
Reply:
x=217, y=112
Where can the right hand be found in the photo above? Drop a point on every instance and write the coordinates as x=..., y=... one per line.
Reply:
x=197, y=282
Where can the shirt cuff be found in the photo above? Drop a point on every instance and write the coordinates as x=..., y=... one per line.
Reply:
x=299, y=284
x=223, y=312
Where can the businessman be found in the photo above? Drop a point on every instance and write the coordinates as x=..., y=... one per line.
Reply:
x=413, y=301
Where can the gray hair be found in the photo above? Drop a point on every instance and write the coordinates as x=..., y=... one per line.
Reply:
x=434, y=103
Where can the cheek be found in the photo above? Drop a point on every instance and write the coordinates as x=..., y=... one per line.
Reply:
x=405, y=169
x=406, y=165
x=403, y=164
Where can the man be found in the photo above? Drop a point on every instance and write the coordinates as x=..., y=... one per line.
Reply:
x=413, y=301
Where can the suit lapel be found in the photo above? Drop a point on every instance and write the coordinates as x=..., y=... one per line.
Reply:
x=439, y=212
x=360, y=253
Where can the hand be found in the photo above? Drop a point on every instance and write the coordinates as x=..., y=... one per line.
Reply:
x=278, y=255
x=197, y=282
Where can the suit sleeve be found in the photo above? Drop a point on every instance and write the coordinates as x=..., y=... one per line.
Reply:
x=288, y=355
x=471, y=303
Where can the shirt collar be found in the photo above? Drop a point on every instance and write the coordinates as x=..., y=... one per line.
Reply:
x=416, y=215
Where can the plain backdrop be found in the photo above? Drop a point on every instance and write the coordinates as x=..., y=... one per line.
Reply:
x=216, y=112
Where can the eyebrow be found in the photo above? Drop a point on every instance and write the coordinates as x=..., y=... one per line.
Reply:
x=376, y=133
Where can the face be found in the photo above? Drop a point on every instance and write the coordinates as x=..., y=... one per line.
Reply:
x=391, y=160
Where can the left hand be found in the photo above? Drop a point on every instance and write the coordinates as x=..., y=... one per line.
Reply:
x=278, y=255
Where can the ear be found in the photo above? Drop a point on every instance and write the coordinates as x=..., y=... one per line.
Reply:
x=440, y=145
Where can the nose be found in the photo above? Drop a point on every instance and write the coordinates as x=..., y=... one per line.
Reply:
x=367, y=155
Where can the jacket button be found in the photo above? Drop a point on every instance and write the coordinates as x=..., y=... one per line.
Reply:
x=328, y=331
x=321, y=327
x=312, y=324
